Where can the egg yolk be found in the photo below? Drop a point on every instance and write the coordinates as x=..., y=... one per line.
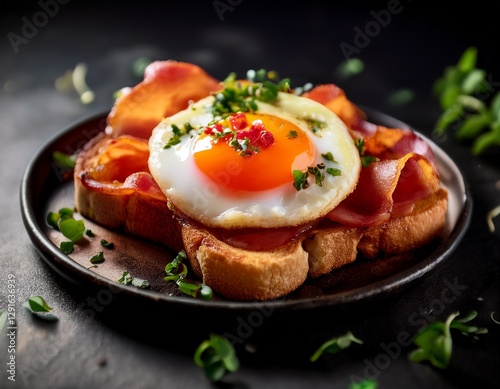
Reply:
x=253, y=152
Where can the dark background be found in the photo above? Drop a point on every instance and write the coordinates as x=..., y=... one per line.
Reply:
x=302, y=41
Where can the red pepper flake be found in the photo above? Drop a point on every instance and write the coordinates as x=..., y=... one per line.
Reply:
x=238, y=121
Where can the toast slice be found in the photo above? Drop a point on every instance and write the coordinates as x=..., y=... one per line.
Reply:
x=131, y=202
x=113, y=187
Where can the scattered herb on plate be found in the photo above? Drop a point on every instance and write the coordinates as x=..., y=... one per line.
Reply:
x=72, y=229
x=216, y=356
x=127, y=279
x=335, y=345
x=177, y=271
x=435, y=341
x=98, y=258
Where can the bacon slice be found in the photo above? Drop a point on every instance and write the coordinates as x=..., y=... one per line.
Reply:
x=386, y=189
x=167, y=88
x=335, y=99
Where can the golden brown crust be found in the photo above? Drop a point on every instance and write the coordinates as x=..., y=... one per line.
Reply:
x=331, y=248
x=242, y=274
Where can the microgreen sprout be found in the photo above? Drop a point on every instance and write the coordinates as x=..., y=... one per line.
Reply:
x=335, y=345
x=177, y=271
x=435, y=343
x=216, y=356
x=468, y=103
x=72, y=229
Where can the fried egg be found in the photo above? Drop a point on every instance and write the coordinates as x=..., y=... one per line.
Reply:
x=285, y=163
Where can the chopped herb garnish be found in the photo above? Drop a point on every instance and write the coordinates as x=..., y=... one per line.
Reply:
x=435, y=341
x=366, y=160
x=64, y=160
x=67, y=247
x=177, y=272
x=292, y=134
x=98, y=258
x=315, y=126
x=334, y=171
x=177, y=134
x=335, y=345
x=89, y=233
x=240, y=96
x=127, y=279
x=300, y=179
x=108, y=245
x=328, y=156
x=316, y=171
x=216, y=356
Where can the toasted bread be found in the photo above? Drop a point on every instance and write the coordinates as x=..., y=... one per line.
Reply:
x=238, y=273
x=114, y=188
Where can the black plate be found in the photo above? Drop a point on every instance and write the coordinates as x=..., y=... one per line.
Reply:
x=46, y=187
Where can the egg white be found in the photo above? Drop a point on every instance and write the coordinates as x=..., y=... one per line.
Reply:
x=202, y=199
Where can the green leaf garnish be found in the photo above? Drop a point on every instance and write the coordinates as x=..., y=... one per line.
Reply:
x=65, y=160
x=39, y=307
x=38, y=304
x=468, y=104
x=177, y=271
x=106, y=244
x=127, y=279
x=335, y=345
x=67, y=247
x=435, y=341
x=365, y=384
x=238, y=96
x=216, y=356
x=72, y=229
x=98, y=258
x=89, y=233
x=300, y=179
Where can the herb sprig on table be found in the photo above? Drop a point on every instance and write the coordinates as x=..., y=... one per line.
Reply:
x=435, y=342
x=470, y=104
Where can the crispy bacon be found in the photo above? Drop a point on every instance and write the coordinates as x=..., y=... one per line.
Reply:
x=335, y=99
x=167, y=88
x=386, y=189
